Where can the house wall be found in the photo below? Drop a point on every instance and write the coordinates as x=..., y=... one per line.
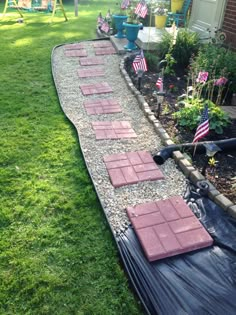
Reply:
x=229, y=24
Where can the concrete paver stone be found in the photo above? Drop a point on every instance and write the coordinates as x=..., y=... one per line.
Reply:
x=102, y=106
x=167, y=227
x=74, y=46
x=113, y=130
x=76, y=53
x=91, y=72
x=95, y=88
x=91, y=61
x=131, y=168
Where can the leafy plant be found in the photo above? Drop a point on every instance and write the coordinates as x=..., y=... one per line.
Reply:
x=217, y=59
x=178, y=49
x=152, y=61
x=190, y=115
x=187, y=44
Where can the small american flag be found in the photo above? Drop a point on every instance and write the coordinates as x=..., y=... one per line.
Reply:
x=141, y=9
x=100, y=18
x=139, y=62
x=124, y=4
x=203, y=128
x=108, y=16
x=105, y=27
x=159, y=84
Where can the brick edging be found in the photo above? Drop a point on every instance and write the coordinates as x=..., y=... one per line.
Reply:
x=187, y=168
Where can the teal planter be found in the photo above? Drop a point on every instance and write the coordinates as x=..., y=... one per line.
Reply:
x=131, y=35
x=119, y=20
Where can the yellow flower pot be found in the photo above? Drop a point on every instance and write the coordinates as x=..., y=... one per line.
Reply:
x=160, y=21
x=176, y=5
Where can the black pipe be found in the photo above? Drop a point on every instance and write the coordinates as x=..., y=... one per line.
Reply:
x=164, y=154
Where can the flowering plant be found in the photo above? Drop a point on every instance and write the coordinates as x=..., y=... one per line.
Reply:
x=159, y=7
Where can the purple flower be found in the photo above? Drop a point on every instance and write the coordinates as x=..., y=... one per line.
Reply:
x=202, y=77
x=221, y=81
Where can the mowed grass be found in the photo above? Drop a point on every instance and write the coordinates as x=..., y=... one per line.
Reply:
x=57, y=254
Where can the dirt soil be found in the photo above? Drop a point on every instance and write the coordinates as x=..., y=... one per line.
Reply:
x=223, y=175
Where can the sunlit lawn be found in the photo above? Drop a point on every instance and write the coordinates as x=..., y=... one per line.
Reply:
x=57, y=254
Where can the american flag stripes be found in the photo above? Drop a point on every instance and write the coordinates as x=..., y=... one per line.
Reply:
x=139, y=62
x=203, y=128
x=141, y=9
x=159, y=84
x=105, y=27
x=125, y=4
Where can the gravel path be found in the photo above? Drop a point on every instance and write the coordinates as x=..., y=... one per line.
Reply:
x=113, y=200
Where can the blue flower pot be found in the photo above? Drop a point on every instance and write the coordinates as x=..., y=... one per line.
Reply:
x=119, y=20
x=131, y=35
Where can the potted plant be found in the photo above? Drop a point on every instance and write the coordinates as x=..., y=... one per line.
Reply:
x=176, y=5
x=132, y=27
x=119, y=18
x=161, y=12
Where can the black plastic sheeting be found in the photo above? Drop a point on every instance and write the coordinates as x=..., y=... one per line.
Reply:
x=202, y=282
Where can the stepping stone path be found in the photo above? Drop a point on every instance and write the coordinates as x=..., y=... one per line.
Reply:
x=167, y=227
x=92, y=72
x=96, y=88
x=76, y=53
x=101, y=106
x=164, y=227
x=91, y=61
x=113, y=130
x=131, y=168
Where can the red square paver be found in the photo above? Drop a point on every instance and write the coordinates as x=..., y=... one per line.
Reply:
x=133, y=167
x=91, y=61
x=76, y=53
x=105, y=51
x=102, y=44
x=96, y=88
x=74, y=46
x=91, y=72
x=113, y=130
x=167, y=227
x=102, y=106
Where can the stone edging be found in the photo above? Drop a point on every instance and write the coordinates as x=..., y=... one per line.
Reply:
x=189, y=171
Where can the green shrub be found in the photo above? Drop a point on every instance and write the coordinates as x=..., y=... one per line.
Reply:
x=217, y=60
x=187, y=44
x=189, y=116
x=152, y=61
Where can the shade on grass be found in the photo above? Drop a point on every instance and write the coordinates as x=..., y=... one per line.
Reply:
x=57, y=254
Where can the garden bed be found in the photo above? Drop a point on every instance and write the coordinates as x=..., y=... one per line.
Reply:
x=223, y=174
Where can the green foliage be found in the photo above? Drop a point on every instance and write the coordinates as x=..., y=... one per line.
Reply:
x=164, y=45
x=57, y=254
x=217, y=61
x=187, y=44
x=152, y=61
x=190, y=115
x=178, y=51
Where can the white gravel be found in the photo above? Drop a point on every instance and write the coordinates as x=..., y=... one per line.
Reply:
x=114, y=200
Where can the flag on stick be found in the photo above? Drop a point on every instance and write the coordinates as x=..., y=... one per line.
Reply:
x=100, y=19
x=139, y=62
x=159, y=84
x=105, y=27
x=141, y=9
x=203, y=128
x=124, y=4
x=108, y=16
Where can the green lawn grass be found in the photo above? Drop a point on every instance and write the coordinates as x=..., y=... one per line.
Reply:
x=57, y=254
